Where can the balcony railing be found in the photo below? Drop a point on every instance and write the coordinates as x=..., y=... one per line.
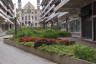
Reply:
x=63, y=2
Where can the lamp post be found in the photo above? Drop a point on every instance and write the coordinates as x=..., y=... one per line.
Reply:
x=15, y=23
x=67, y=18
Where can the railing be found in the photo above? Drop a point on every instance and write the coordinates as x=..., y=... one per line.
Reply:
x=63, y=2
x=48, y=11
x=47, y=6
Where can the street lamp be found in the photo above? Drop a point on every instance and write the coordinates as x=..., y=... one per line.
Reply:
x=15, y=23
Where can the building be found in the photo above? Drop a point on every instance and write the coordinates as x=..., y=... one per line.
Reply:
x=49, y=16
x=6, y=13
x=28, y=16
x=77, y=17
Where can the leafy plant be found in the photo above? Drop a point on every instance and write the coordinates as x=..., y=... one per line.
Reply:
x=77, y=51
x=29, y=44
x=86, y=53
x=39, y=33
x=10, y=32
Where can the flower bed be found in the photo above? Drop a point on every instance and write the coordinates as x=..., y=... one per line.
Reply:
x=46, y=40
x=61, y=54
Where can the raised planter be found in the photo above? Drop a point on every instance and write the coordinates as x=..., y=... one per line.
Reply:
x=50, y=56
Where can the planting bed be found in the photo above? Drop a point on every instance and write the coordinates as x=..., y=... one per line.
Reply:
x=48, y=54
x=45, y=43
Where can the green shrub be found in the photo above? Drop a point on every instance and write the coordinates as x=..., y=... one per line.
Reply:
x=29, y=44
x=77, y=51
x=10, y=32
x=63, y=34
x=37, y=33
x=59, y=49
x=86, y=53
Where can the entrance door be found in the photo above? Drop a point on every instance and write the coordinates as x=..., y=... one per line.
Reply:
x=94, y=19
x=87, y=28
x=95, y=29
x=86, y=16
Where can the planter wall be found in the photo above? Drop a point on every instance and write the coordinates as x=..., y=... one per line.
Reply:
x=50, y=56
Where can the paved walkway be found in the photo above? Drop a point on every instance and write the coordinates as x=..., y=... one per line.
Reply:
x=83, y=42
x=12, y=55
x=2, y=34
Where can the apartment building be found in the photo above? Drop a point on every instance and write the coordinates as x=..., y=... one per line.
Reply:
x=75, y=16
x=48, y=13
x=6, y=13
x=28, y=16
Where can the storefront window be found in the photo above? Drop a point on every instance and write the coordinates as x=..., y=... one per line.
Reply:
x=74, y=26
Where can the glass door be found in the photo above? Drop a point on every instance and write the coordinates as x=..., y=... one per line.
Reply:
x=86, y=16
x=94, y=28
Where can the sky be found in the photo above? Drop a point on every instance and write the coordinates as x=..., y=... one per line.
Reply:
x=24, y=2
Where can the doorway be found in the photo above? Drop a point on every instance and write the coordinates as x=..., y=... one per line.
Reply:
x=94, y=20
x=86, y=22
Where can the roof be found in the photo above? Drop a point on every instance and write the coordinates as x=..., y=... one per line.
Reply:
x=29, y=6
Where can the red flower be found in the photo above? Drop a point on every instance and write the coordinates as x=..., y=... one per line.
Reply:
x=57, y=41
x=25, y=39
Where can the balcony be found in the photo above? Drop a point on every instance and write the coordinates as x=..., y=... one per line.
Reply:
x=71, y=4
x=3, y=13
x=48, y=10
x=47, y=6
x=63, y=2
x=3, y=5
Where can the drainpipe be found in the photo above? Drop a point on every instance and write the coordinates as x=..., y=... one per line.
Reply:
x=93, y=32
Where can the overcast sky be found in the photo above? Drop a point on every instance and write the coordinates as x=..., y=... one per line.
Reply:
x=34, y=2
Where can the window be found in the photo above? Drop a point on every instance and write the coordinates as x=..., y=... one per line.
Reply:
x=25, y=22
x=22, y=18
x=35, y=24
x=35, y=18
x=25, y=17
x=29, y=17
x=32, y=17
x=75, y=26
x=29, y=22
x=28, y=11
x=22, y=24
